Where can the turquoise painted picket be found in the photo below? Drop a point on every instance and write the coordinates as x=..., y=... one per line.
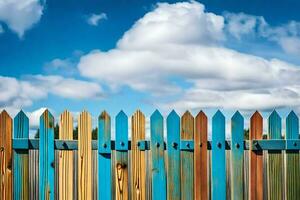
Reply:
x=104, y=157
x=170, y=163
x=46, y=147
x=218, y=167
x=157, y=153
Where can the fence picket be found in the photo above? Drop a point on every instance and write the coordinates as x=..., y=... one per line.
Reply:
x=21, y=162
x=292, y=159
x=158, y=171
x=237, y=156
x=187, y=158
x=104, y=156
x=173, y=150
x=5, y=156
x=84, y=156
x=256, y=159
x=65, y=170
x=138, y=165
x=275, y=160
x=200, y=157
x=46, y=155
x=218, y=167
x=121, y=163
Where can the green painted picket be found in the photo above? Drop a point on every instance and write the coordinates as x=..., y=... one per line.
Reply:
x=171, y=157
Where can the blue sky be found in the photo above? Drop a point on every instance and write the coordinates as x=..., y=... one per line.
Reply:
x=114, y=55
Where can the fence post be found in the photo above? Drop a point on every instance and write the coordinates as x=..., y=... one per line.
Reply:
x=275, y=160
x=200, y=157
x=173, y=150
x=255, y=159
x=65, y=158
x=121, y=164
x=104, y=156
x=158, y=171
x=138, y=165
x=218, y=167
x=292, y=159
x=187, y=158
x=20, y=165
x=5, y=156
x=237, y=156
x=46, y=171
x=84, y=156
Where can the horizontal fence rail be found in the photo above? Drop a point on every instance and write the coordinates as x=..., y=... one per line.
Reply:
x=177, y=163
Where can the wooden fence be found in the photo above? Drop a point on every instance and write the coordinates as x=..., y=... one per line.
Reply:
x=181, y=164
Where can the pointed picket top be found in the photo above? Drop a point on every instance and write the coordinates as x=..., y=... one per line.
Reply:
x=48, y=117
x=21, y=125
x=5, y=114
x=237, y=117
x=104, y=115
x=292, y=126
x=121, y=115
x=201, y=114
x=218, y=116
x=256, y=116
x=274, y=125
x=173, y=116
x=121, y=131
x=156, y=115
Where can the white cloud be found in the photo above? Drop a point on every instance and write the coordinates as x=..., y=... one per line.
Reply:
x=20, y=15
x=183, y=42
x=63, y=66
x=19, y=93
x=94, y=19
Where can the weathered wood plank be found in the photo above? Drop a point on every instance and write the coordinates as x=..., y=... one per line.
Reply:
x=5, y=156
x=173, y=150
x=292, y=159
x=138, y=165
x=275, y=160
x=200, y=157
x=187, y=158
x=256, y=159
x=121, y=159
x=65, y=161
x=21, y=162
x=218, y=167
x=237, y=156
x=104, y=156
x=46, y=154
x=158, y=171
x=84, y=156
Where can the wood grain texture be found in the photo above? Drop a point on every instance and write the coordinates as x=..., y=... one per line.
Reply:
x=104, y=156
x=138, y=165
x=158, y=171
x=84, y=156
x=46, y=154
x=256, y=159
x=292, y=159
x=218, y=164
x=5, y=156
x=275, y=160
x=173, y=152
x=237, y=156
x=187, y=158
x=200, y=157
x=65, y=161
x=121, y=159
x=21, y=162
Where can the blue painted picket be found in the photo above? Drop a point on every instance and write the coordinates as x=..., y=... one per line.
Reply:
x=46, y=170
x=20, y=166
x=104, y=156
x=275, y=160
x=173, y=150
x=218, y=167
x=237, y=156
x=158, y=171
x=292, y=158
x=121, y=166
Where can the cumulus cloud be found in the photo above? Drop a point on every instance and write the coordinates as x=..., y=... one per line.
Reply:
x=19, y=93
x=94, y=19
x=20, y=15
x=182, y=42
